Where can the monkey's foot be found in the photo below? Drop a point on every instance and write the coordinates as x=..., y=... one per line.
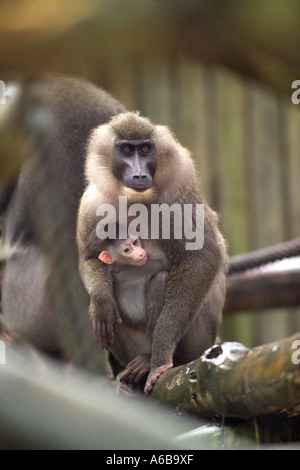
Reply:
x=153, y=376
x=4, y=336
x=130, y=390
x=124, y=388
x=136, y=369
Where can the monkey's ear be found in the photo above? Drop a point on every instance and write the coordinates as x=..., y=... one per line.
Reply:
x=106, y=257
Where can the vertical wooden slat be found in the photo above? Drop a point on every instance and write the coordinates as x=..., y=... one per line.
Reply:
x=191, y=124
x=233, y=197
x=156, y=91
x=251, y=195
x=285, y=169
x=265, y=193
x=233, y=214
x=266, y=166
x=292, y=137
x=246, y=146
x=250, y=180
x=123, y=82
x=212, y=131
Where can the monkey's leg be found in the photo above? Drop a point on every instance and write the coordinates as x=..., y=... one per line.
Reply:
x=140, y=364
x=203, y=330
x=1, y=280
x=128, y=344
x=200, y=335
x=131, y=380
x=25, y=302
x=136, y=369
x=155, y=298
x=155, y=301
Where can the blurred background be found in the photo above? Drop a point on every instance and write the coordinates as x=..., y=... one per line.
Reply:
x=219, y=73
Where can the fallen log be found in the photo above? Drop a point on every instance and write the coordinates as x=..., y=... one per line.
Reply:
x=232, y=381
x=280, y=251
x=262, y=288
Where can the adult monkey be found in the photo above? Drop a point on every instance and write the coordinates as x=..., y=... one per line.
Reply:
x=54, y=115
x=131, y=157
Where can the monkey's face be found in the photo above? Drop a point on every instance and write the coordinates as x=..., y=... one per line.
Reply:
x=134, y=163
x=132, y=252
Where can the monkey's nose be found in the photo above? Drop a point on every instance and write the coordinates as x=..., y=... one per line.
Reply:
x=140, y=177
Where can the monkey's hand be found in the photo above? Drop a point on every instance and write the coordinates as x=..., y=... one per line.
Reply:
x=103, y=315
x=153, y=376
x=136, y=369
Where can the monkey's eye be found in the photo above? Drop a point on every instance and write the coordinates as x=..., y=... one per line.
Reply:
x=145, y=149
x=127, y=250
x=135, y=242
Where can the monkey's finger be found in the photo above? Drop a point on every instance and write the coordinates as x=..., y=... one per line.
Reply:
x=132, y=365
x=142, y=358
x=104, y=335
x=126, y=376
x=139, y=370
x=148, y=386
x=154, y=374
x=144, y=371
x=110, y=332
x=139, y=366
x=122, y=376
x=117, y=317
x=152, y=378
x=125, y=389
x=131, y=372
x=97, y=332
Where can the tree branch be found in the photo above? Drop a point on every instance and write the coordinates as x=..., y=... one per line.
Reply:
x=256, y=289
x=229, y=380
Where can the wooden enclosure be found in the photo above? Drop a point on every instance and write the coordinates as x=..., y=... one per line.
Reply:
x=246, y=145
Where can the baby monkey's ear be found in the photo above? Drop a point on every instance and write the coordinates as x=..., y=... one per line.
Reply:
x=106, y=257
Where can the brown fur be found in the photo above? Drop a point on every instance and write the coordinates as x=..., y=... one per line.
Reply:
x=184, y=308
x=76, y=107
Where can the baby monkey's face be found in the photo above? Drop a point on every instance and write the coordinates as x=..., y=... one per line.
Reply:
x=132, y=252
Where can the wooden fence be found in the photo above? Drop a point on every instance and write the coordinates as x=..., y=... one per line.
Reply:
x=246, y=145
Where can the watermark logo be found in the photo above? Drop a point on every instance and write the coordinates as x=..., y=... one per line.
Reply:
x=296, y=354
x=296, y=94
x=3, y=92
x=2, y=353
x=157, y=220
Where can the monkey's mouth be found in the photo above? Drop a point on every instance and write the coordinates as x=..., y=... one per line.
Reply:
x=143, y=261
x=139, y=184
x=141, y=188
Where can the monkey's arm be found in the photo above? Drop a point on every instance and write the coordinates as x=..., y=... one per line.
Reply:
x=154, y=266
x=103, y=309
x=97, y=281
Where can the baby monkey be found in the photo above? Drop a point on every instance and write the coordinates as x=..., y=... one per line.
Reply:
x=125, y=252
x=133, y=269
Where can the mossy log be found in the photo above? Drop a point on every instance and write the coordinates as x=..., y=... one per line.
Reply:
x=230, y=380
